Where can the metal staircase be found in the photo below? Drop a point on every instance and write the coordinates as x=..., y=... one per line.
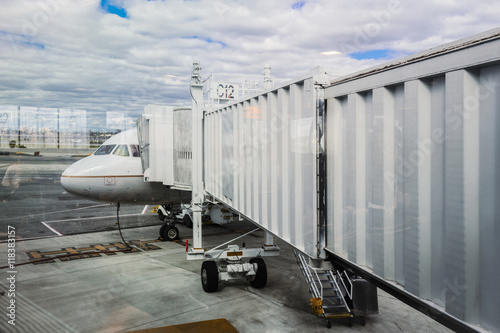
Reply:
x=334, y=290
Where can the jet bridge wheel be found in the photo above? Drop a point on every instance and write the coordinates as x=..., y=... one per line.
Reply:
x=209, y=276
x=169, y=232
x=260, y=279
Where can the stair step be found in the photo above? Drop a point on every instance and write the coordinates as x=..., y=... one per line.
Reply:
x=339, y=306
x=338, y=315
x=334, y=302
x=324, y=281
x=330, y=297
x=333, y=306
x=325, y=288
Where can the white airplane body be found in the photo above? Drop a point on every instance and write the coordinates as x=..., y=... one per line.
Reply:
x=113, y=173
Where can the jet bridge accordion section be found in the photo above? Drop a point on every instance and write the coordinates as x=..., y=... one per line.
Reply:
x=413, y=175
x=260, y=158
x=165, y=137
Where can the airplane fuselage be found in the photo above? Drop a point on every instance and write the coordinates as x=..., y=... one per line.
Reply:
x=114, y=174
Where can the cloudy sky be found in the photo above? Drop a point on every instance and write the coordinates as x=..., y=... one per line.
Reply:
x=119, y=55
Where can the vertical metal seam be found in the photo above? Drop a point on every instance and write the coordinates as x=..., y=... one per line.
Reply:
x=321, y=216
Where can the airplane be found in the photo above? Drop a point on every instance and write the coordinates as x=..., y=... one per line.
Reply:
x=113, y=173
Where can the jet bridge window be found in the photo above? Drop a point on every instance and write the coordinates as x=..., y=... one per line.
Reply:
x=121, y=150
x=104, y=150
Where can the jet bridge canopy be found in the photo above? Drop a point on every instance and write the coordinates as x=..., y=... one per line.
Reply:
x=165, y=141
x=262, y=159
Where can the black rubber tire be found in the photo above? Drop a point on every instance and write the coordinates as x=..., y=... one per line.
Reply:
x=329, y=323
x=363, y=321
x=209, y=276
x=169, y=232
x=260, y=279
x=349, y=322
x=186, y=219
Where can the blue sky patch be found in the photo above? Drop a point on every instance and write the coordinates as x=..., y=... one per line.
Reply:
x=22, y=39
x=298, y=5
x=38, y=45
x=112, y=9
x=372, y=54
x=207, y=39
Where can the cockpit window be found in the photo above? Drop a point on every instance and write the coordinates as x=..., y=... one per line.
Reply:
x=104, y=150
x=135, y=150
x=121, y=150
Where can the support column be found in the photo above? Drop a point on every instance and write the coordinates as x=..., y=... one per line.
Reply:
x=196, y=252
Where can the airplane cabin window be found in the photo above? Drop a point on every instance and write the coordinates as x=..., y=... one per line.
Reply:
x=135, y=150
x=121, y=150
x=104, y=150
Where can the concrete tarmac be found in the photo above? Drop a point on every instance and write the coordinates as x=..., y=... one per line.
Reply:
x=156, y=286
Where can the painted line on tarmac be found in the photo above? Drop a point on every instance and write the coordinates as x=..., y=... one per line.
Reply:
x=8, y=165
x=53, y=229
x=92, y=218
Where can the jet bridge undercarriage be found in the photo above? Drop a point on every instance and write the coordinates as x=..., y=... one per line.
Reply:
x=226, y=261
x=229, y=261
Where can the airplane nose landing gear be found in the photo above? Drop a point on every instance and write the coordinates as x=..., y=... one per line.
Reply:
x=168, y=231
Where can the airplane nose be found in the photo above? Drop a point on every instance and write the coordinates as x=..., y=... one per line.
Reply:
x=75, y=180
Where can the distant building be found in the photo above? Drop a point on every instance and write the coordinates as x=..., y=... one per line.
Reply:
x=34, y=127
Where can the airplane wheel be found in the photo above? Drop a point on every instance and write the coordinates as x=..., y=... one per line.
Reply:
x=329, y=323
x=260, y=279
x=168, y=232
x=186, y=219
x=209, y=276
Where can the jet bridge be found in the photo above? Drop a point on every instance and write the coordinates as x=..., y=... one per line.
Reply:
x=165, y=134
x=392, y=172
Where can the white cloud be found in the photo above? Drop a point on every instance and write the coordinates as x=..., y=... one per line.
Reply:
x=72, y=54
